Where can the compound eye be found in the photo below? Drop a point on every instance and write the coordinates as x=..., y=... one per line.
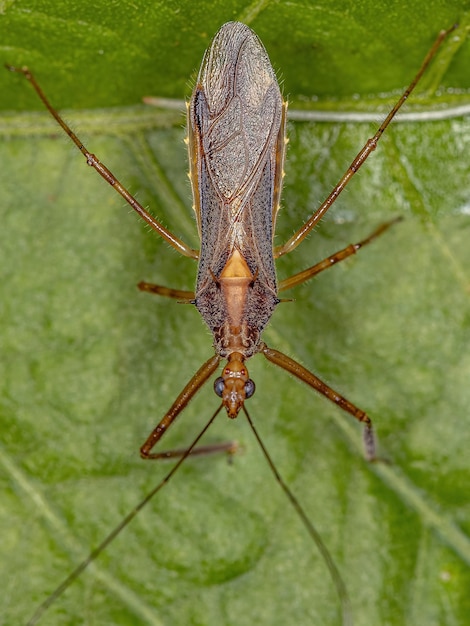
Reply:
x=219, y=386
x=249, y=388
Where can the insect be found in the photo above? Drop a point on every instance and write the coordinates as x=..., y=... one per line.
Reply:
x=236, y=139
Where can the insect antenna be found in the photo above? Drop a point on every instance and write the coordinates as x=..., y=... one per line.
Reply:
x=312, y=531
x=94, y=554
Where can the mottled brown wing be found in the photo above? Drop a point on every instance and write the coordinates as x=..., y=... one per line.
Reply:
x=236, y=122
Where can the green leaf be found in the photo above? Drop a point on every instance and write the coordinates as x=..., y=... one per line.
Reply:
x=90, y=364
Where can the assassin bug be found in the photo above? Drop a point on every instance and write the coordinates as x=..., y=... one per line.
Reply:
x=236, y=139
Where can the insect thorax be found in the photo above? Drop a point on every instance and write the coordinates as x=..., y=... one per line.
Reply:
x=236, y=307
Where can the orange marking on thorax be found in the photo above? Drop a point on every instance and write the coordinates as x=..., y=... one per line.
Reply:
x=234, y=281
x=236, y=267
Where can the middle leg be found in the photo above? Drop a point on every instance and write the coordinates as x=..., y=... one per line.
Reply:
x=302, y=277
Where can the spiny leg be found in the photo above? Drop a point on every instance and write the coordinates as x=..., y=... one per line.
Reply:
x=105, y=173
x=368, y=148
x=302, y=277
x=303, y=374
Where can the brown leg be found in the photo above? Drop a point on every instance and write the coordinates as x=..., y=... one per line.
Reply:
x=302, y=277
x=368, y=148
x=193, y=386
x=168, y=292
x=303, y=374
x=229, y=447
x=103, y=171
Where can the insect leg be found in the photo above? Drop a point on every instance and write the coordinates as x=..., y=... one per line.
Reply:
x=103, y=171
x=367, y=149
x=160, y=290
x=302, y=277
x=229, y=447
x=193, y=386
x=303, y=374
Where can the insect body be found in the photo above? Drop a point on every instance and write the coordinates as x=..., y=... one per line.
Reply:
x=236, y=122
x=236, y=139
